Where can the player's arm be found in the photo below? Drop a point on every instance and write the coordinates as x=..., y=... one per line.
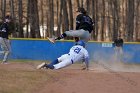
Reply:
x=122, y=42
x=77, y=27
x=86, y=59
x=78, y=21
x=114, y=43
x=87, y=62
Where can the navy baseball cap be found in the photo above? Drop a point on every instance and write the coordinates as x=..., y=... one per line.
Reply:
x=81, y=9
x=8, y=17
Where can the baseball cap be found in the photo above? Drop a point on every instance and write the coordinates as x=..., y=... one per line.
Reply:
x=81, y=43
x=7, y=17
x=81, y=9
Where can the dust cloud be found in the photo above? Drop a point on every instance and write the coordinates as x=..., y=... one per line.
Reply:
x=105, y=62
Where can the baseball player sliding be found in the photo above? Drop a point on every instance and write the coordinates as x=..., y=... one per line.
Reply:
x=84, y=26
x=77, y=53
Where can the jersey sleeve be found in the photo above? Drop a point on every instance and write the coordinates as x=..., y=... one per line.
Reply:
x=78, y=20
x=86, y=57
x=86, y=53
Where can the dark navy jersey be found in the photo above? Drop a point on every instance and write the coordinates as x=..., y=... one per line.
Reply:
x=83, y=21
x=4, y=31
x=118, y=42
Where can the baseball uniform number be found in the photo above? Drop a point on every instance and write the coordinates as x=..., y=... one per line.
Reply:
x=77, y=50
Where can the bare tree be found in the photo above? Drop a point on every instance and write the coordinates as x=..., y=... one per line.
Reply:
x=137, y=32
x=65, y=16
x=93, y=17
x=3, y=8
x=70, y=13
x=20, y=16
x=130, y=20
x=109, y=18
x=88, y=6
x=96, y=20
x=103, y=21
x=34, y=19
x=112, y=18
x=42, y=17
x=60, y=18
x=115, y=18
x=12, y=11
x=27, y=19
x=78, y=3
x=82, y=4
x=51, y=16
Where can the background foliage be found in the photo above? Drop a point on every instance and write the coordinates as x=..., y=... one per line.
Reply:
x=42, y=18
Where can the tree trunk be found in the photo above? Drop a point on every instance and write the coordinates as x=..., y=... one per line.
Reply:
x=65, y=16
x=12, y=11
x=93, y=18
x=60, y=18
x=20, y=16
x=82, y=5
x=103, y=21
x=37, y=25
x=70, y=13
x=78, y=3
x=51, y=17
x=115, y=19
x=34, y=19
x=28, y=16
x=130, y=20
x=96, y=20
x=42, y=18
x=3, y=8
x=57, y=11
x=88, y=6
x=137, y=31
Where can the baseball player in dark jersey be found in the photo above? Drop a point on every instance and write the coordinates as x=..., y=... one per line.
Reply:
x=84, y=26
x=4, y=40
x=118, y=46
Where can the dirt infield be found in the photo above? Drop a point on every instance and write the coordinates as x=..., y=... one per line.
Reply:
x=19, y=77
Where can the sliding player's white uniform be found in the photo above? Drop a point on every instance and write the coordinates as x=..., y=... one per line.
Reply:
x=76, y=53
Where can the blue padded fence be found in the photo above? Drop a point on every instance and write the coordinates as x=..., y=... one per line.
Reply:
x=44, y=50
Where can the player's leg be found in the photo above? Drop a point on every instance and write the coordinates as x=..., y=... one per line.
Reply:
x=51, y=65
x=57, y=61
x=117, y=54
x=45, y=65
x=63, y=64
x=84, y=35
x=75, y=33
x=120, y=54
x=42, y=65
x=6, y=48
x=1, y=45
x=53, y=39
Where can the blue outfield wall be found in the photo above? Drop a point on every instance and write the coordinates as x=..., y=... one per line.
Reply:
x=33, y=49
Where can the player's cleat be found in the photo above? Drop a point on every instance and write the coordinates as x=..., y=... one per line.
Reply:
x=41, y=65
x=4, y=62
x=51, y=39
